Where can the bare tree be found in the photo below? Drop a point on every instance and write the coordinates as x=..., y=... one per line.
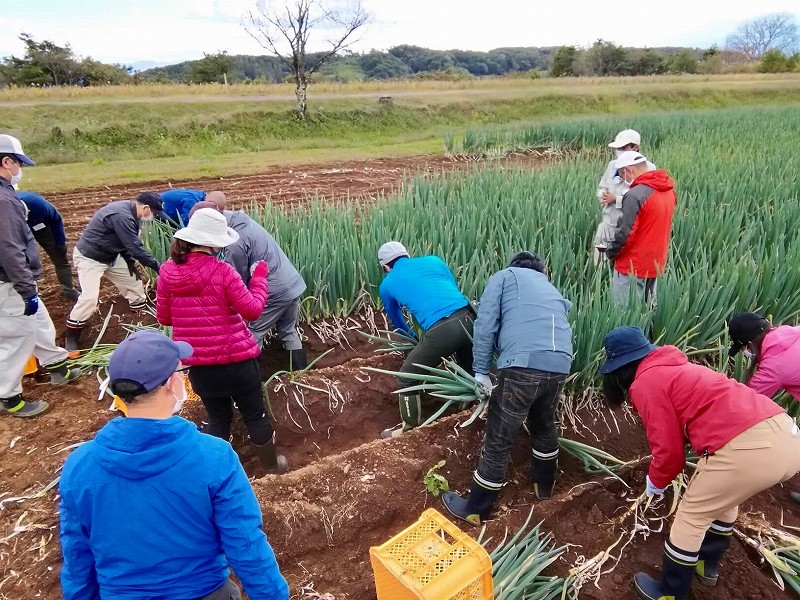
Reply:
x=771, y=32
x=284, y=27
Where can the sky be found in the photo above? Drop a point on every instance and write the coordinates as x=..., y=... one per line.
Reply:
x=167, y=31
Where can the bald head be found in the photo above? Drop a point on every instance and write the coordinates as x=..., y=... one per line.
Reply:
x=218, y=199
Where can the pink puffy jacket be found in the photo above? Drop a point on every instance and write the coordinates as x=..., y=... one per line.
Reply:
x=206, y=303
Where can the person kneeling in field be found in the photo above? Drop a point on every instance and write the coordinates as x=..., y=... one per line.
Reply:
x=152, y=508
x=525, y=317
x=427, y=288
x=746, y=444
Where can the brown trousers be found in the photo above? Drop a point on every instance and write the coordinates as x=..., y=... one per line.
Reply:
x=766, y=454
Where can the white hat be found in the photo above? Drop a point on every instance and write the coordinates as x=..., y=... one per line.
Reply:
x=628, y=159
x=629, y=136
x=208, y=227
x=10, y=145
x=391, y=251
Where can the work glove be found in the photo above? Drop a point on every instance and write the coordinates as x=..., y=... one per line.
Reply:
x=484, y=380
x=132, y=269
x=652, y=490
x=31, y=305
x=259, y=270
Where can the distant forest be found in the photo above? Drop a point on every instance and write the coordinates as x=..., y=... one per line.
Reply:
x=413, y=61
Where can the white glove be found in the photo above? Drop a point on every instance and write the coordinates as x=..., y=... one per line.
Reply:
x=484, y=381
x=652, y=490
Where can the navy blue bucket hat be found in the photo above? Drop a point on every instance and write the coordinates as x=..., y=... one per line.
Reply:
x=624, y=345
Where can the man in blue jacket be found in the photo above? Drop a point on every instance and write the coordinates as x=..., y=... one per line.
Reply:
x=178, y=202
x=152, y=508
x=427, y=289
x=525, y=317
x=48, y=230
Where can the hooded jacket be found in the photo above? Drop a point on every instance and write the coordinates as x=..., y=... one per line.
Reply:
x=680, y=401
x=611, y=213
x=178, y=203
x=256, y=244
x=641, y=242
x=19, y=255
x=778, y=363
x=525, y=317
x=114, y=231
x=206, y=303
x=155, y=509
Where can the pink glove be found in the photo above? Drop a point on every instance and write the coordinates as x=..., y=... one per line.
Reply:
x=260, y=271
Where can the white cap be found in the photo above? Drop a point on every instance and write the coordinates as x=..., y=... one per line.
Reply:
x=10, y=145
x=628, y=159
x=391, y=251
x=208, y=227
x=629, y=136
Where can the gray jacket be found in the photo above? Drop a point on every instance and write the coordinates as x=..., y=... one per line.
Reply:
x=256, y=244
x=19, y=254
x=525, y=317
x=114, y=231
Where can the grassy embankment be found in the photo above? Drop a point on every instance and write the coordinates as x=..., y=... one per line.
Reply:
x=87, y=138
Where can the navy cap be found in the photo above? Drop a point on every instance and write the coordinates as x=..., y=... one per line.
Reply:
x=624, y=345
x=150, y=199
x=147, y=358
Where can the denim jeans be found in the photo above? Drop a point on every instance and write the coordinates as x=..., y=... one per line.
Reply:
x=521, y=395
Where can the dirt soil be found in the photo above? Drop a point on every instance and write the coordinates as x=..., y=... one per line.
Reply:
x=347, y=490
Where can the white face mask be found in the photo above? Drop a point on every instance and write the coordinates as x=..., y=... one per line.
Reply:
x=619, y=152
x=749, y=355
x=176, y=408
x=15, y=179
x=148, y=218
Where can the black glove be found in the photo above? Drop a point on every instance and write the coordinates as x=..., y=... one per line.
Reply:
x=133, y=270
x=31, y=305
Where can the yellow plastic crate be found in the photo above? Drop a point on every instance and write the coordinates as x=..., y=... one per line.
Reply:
x=432, y=560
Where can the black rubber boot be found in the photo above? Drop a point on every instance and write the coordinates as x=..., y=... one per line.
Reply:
x=73, y=341
x=60, y=374
x=64, y=276
x=410, y=413
x=476, y=508
x=24, y=410
x=715, y=544
x=297, y=360
x=272, y=462
x=543, y=473
x=679, y=569
x=794, y=497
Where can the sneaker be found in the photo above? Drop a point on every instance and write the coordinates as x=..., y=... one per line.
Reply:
x=58, y=379
x=23, y=410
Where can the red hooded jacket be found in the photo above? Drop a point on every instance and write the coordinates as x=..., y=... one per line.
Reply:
x=680, y=401
x=206, y=303
x=642, y=240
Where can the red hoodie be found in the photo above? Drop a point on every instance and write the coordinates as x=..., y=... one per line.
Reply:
x=680, y=401
x=206, y=303
x=642, y=240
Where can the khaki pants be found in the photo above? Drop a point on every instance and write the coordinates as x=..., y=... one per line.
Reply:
x=89, y=274
x=766, y=454
x=17, y=340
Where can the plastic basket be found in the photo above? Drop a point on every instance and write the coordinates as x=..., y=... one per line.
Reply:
x=432, y=560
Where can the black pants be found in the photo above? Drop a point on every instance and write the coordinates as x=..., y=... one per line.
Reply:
x=57, y=253
x=450, y=335
x=228, y=591
x=521, y=395
x=220, y=387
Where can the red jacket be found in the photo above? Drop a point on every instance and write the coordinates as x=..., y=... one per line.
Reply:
x=642, y=239
x=206, y=303
x=680, y=401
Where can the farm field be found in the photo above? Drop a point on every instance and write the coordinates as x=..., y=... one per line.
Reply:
x=735, y=244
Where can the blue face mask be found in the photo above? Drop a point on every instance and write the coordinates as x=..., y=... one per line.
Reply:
x=220, y=253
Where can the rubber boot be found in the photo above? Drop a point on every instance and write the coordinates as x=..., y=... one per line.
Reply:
x=476, y=508
x=272, y=462
x=24, y=410
x=794, y=497
x=60, y=374
x=73, y=341
x=64, y=276
x=410, y=411
x=543, y=473
x=139, y=305
x=678, y=573
x=715, y=544
x=297, y=360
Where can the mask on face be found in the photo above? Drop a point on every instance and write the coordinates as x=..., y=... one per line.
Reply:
x=749, y=355
x=148, y=218
x=15, y=179
x=176, y=408
x=619, y=152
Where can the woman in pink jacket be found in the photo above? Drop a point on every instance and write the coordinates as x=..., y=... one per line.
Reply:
x=774, y=354
x=207, y=304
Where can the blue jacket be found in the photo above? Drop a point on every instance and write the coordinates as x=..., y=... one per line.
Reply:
x=156, y=509
x=40, y=212
x=425, y=286
x=180, y=202
x=525, y=318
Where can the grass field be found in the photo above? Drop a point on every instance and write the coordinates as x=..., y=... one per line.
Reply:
x=100, y=136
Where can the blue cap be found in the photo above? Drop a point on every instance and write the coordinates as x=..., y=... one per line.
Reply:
x=148, y=358
x=624, y=345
